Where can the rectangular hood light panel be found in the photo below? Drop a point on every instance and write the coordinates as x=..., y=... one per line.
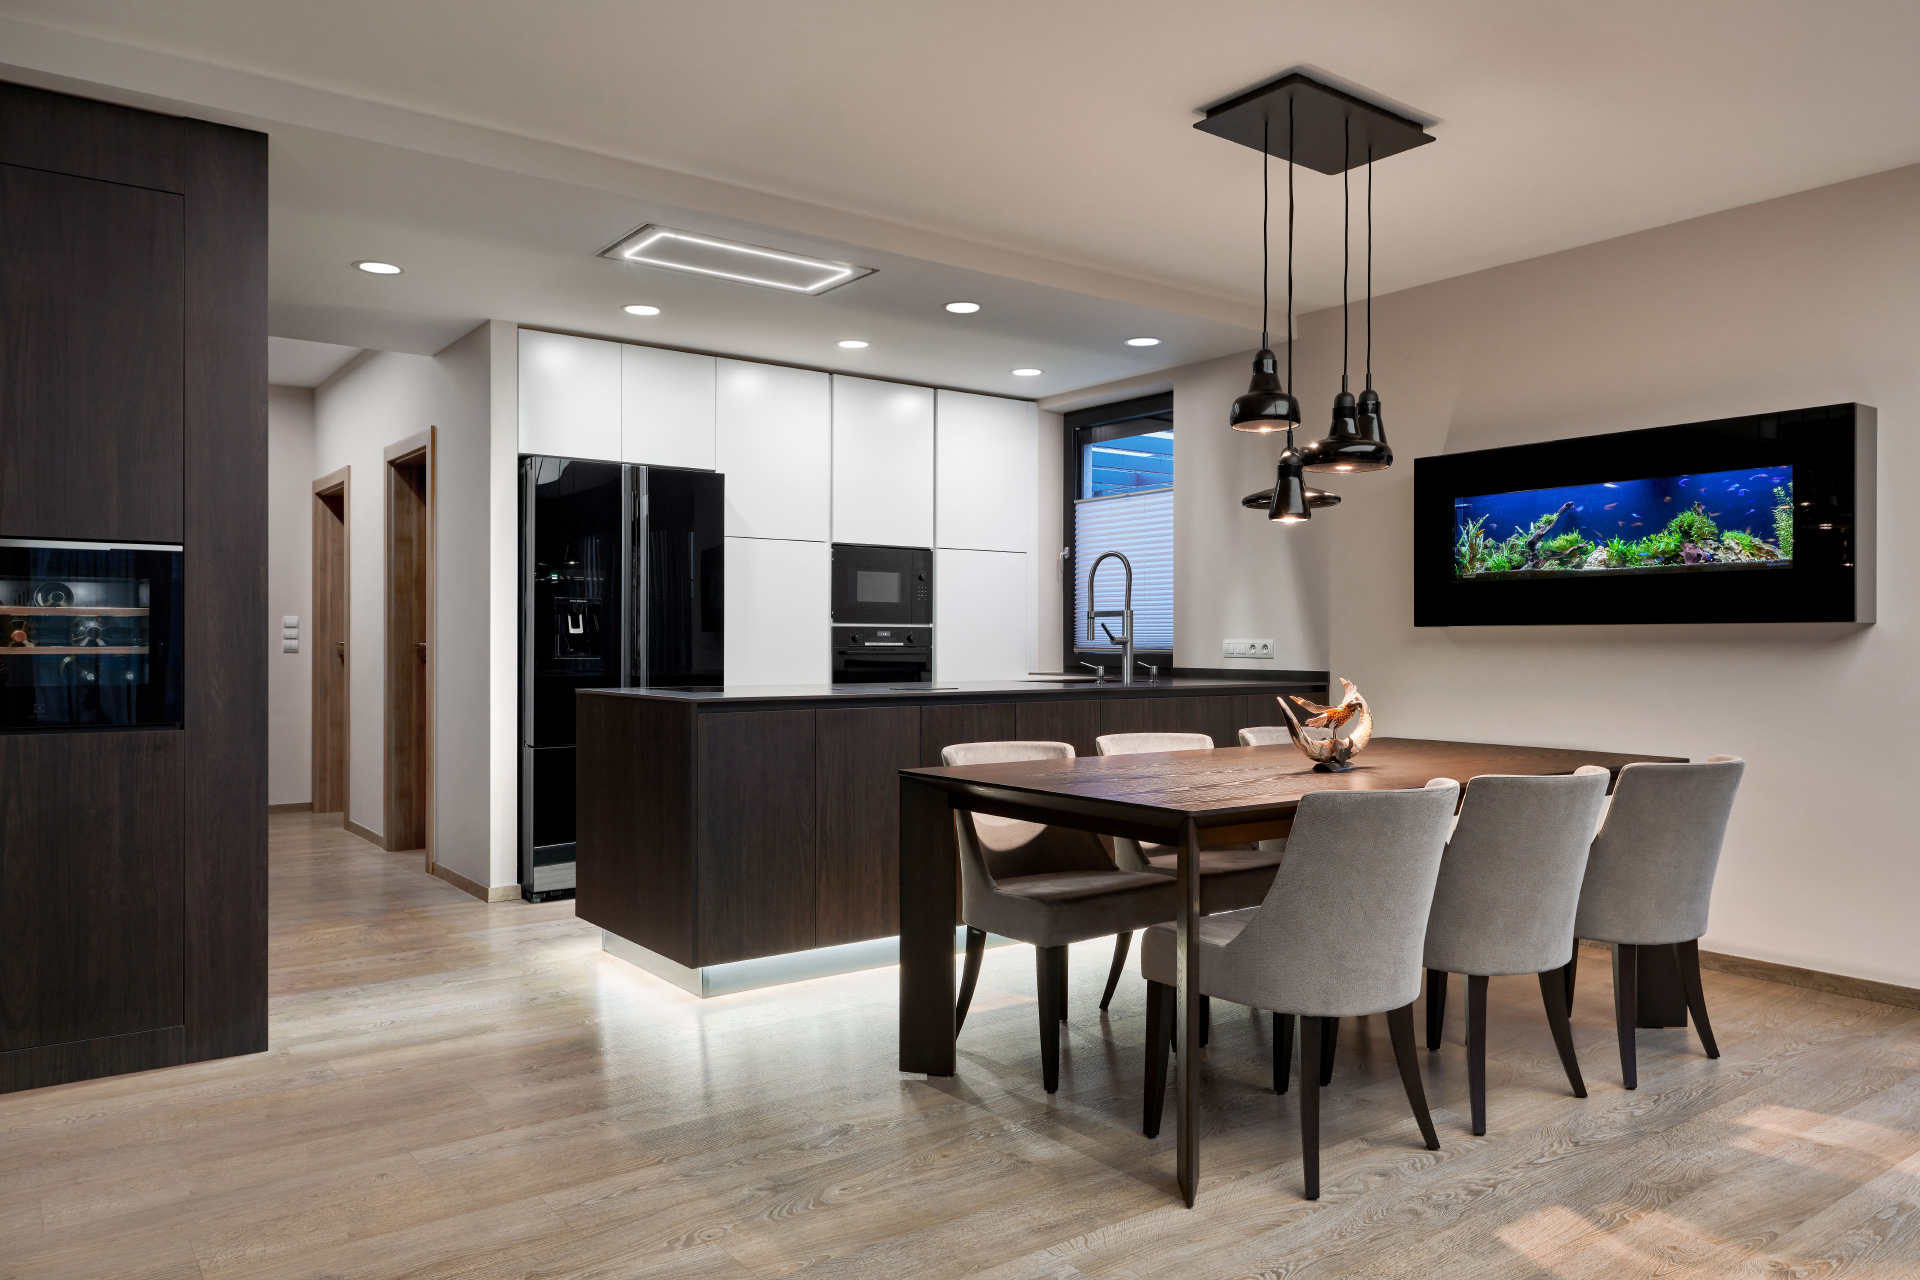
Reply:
x=657, y=246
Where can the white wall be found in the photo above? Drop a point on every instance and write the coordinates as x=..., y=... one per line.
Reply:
x=1811, y=299
x=376, y=402
x=290, y=476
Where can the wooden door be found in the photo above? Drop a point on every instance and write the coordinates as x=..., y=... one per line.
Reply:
x=331, y=659
x=407, y=607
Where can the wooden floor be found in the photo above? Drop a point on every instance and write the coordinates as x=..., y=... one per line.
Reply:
x=463, y=1089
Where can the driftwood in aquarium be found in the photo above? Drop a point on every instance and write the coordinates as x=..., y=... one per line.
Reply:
x=1334, y=752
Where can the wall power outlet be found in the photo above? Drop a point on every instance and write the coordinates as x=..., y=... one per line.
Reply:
x=1246, y=648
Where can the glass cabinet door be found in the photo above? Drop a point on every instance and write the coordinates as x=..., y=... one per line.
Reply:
x=89, y=634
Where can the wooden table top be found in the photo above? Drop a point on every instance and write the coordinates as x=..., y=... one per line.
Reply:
x=1152, y=794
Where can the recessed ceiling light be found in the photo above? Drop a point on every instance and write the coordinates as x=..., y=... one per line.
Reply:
x=656, y=246
x=378, y=268
x=963, y=308
x=1027, y=373
x=1143, y=342
x=640, y=309
x=852, y=344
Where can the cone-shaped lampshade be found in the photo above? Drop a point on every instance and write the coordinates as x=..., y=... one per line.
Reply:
x=1316, y=499
x=1356, y=440
x=1265, y=407
x=1290, y=500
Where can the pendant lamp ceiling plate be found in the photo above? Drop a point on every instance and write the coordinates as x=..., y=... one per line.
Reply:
x=1322, y=137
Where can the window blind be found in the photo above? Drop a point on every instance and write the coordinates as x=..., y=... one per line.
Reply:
x=1140, y=526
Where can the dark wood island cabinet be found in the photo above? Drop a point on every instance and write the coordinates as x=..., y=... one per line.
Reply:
x=739, y=824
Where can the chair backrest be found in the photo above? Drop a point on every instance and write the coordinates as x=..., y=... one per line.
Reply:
x=1133, y=744
x=993, y=848
x=1265, y=735
x=1650, y=873
x=1510, y=880
x=1340, y=932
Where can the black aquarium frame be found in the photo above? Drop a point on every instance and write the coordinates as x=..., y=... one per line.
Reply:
x=1831, y=450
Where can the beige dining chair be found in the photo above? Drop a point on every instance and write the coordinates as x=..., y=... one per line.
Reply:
x=1045, y=885
x=1232, y=877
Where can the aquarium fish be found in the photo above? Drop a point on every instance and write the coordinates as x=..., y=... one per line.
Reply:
x=1743, y=493
x=1683, y=481
x=1610, y=506
x=1608, y=484
x=1634, y=525
x=1667, y=498
x=1636, y=515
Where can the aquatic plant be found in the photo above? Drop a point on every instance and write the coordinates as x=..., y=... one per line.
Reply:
x=1564, y=549
x=1662, y=547
x=1783, y=519
x=1470, y=553
x=1621, y=553
x=1694, y=526
x=1499, y=560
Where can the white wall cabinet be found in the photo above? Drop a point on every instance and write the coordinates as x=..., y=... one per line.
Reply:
x=986, y=460
x=774, y=441
x=569, y=396
x=882, y=463
x=777, y=601
x=981, y=628
x=666, y=407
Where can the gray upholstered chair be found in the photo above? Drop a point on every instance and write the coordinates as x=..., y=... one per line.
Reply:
x=1232, y=877
x=1265, y=735
x=1509, y=884
x=1048, y=886
x=1338, y=936
x=1649, y=880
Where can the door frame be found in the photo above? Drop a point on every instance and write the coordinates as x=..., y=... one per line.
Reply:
x=340, y=482
x=418, y=447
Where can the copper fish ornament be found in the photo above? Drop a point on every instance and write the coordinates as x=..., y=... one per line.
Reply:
x=1331, y=751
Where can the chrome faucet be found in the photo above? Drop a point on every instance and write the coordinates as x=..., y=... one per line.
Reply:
x=1124, y=613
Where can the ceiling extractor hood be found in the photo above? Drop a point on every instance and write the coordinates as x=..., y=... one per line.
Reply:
x=657, y=246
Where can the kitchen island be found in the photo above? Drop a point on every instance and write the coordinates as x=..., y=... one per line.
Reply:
x=733, y=837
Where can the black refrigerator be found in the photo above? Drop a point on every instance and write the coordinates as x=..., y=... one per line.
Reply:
x=622, y=580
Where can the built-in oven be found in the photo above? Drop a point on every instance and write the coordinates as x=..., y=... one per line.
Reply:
x=882, y=655
x=882, y=586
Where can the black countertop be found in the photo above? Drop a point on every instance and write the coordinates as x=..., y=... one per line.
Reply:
x=1032, y=689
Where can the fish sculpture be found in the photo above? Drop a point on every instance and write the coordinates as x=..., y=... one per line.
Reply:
x=1319, y=736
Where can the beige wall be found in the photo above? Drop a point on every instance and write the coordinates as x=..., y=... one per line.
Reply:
x=289, y=591
x=1811, y=299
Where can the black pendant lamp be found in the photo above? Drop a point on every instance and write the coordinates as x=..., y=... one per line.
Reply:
x=1355, y=440
x=1268, y=406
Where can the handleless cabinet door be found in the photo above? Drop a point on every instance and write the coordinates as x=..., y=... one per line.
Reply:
x=882, y=463
x=981, y=627
x=569, y=396
x=777, y=610
x=987, y=463
x=666, y=407
x=774, y=442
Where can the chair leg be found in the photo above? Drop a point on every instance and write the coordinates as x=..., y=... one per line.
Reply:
x=1329, y=1037
x=1689, y=955
x=1160, y=1006
x=976, y=947
x=1060, y=985
x=1206, y=1020
x=1120, y=945
x=1047, y=964
x=1400, y=1026
x=1477, y=1049
x=1311, y=1031
x=1436, y=1006
x=1282, y=1050
x=1571, y=971
x=1553, y=994
x=1626, y=979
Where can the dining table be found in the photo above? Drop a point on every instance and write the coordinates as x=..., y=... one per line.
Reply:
x=1190, y=800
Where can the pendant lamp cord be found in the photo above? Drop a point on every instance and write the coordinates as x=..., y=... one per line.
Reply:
x=1264, y=241
x=1346, y=241
x=1289, y=255
x=1369, y=266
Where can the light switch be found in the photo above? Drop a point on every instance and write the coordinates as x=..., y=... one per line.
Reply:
x=290, y=620
x=289, y=646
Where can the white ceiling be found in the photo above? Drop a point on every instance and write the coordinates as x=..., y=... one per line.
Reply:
x=292, y=362
x=1036, y=158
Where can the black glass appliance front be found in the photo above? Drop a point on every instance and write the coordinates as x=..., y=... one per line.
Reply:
x=882, y=586
x=882, y=655
x=90, y=634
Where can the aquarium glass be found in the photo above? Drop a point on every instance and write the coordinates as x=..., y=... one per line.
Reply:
x=1711, y=522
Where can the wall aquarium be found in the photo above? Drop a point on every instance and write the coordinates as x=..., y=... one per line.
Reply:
x=1766, y=518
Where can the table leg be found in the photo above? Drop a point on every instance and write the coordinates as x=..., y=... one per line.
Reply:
x=929, y=909
x=1187, y=1108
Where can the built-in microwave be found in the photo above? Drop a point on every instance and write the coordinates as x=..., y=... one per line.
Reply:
x=882, y=586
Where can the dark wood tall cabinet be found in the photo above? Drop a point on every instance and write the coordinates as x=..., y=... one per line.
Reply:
x=133, y=888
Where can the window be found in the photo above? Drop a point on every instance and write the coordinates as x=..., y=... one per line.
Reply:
x=1121, y=492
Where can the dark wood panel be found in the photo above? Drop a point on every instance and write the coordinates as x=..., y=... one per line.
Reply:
x=758, y=825
x=90, y=139
x=90, y=1059
x=91, y=885
x=1209, y=715
x=860, y=754
x=1076, y=722
x=405, y=775
x=943, y=724
x=634, y=801
x=226, y=589
x=327, y=631
x=92, y=285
